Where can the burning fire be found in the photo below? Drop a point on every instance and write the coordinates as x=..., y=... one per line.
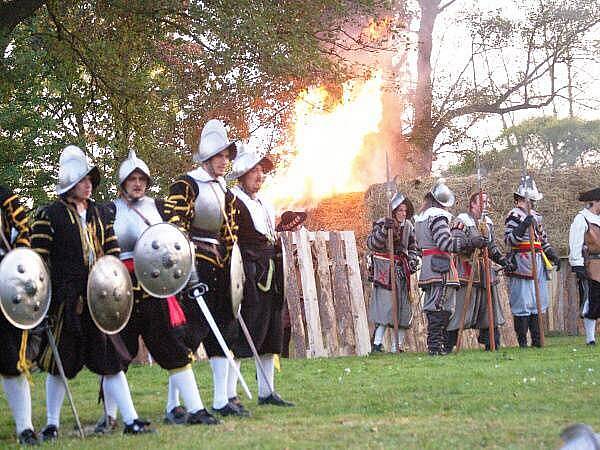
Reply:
x=327, y=139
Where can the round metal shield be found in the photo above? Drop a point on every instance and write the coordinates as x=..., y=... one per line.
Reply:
x=238, y=277
x=109, y=294
x=163, y=260
x=25, y=289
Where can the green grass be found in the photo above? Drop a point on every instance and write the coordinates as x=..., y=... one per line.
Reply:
x=512, y=399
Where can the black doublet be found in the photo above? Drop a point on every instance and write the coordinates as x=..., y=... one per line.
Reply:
x=13, y=217
x=261, y=307
x=58, y=237
x=212, y=270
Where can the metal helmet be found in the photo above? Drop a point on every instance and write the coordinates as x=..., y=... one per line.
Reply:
x=109, y=294
x=25, y=289
x=74, y=167
x=238, y=278
x=528, y=190
x=246, y=160
x=398, y=199
x=131, y=164
x=163, y=260
x=213, y=140
x=442, y=193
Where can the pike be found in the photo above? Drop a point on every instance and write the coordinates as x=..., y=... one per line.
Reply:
x=534, y=272
x=390, y=244
x=483, y=228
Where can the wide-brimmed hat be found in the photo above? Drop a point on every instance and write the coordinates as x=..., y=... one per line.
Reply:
x=214, y=140
x=290, y=220
x=593, y=195
x=74, y=167
x=246, y=159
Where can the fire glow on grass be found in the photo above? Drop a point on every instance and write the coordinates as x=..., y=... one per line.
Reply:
x=326, y=142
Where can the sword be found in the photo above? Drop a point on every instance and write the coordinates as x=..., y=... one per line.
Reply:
x=254, y=351
x=196, y=290
x=61, y=371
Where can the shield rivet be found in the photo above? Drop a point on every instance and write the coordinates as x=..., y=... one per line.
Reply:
x=155, y=273
x=155, y=245
x=20, y=268
x=177, y=274
x=177, y=246
x=17, y=299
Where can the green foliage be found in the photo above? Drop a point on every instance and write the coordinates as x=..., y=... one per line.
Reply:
x=548, y=142
x=541, y=142
x=512, y=399
x=110, y=76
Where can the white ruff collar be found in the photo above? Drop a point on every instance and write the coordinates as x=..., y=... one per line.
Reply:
x=263, y=215
x=202, y=176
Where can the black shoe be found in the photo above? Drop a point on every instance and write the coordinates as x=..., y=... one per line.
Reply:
x=49, y=433
x=236, y=401
x=139, y=426
x=274, y=399
x=177, y=416
x=591, y=343
x=28, y=437
x=377, y=348
x=202, y=417
x=230, y=409
x=105, y=426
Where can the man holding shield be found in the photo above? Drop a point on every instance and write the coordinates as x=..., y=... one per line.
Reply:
x=201, y=205
x=158, y=321
x=14, y=229
x=71, y=234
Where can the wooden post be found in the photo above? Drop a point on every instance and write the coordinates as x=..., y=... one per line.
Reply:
x=327, y=311
x=292, y=296
x=357, y=298
x=341, y=295
x=309, y=294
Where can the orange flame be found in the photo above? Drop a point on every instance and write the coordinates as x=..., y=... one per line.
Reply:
x=327, y=141
x=378, y=30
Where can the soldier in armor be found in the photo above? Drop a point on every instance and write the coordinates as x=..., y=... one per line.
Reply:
x=469, y=224
x=439, y=278
x=204, y=208
x=262, y=302
x=158, y=321
x=521, y=285
x=70, y=234
x=584, y=258
x=406, y=263
x=14, y=229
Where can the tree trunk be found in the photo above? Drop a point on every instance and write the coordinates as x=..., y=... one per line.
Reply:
x=422, y=136
x=13, y=13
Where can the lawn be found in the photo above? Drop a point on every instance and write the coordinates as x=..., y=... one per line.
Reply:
x=512, y=399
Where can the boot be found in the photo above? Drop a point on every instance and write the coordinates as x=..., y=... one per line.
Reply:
x=521, y=325
x=484, y=338
x=452, y=339
x=437, y=321
x=534, y=330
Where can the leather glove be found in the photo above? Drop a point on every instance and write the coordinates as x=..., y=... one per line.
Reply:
x=580, y=272
x=524, y=226
x=388, y=223
x=413, y=265
x=508, y=265
x=477, y=242
x=553, y=257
